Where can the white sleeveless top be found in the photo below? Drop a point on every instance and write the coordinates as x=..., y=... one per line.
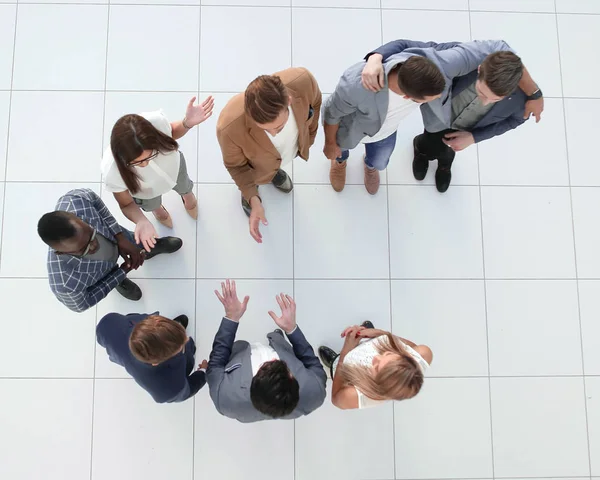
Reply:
x=363, y=356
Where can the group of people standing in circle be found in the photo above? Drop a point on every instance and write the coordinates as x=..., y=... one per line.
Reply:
x=467, y=92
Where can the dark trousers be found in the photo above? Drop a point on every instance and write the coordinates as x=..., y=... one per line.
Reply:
x=432, y=147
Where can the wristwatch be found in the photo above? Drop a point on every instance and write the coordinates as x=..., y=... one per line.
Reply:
x=535, y=95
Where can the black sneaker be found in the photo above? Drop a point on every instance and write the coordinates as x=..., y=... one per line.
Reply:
x=246, y=207
x=327, y=356
x=165, y=245
x=443, y=176
x=367, y=324
x=282, y=181
x=129, y=290
x=182, y=319
x=420, y=163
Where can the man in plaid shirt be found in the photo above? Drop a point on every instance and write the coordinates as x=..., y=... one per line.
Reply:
x=85, y=243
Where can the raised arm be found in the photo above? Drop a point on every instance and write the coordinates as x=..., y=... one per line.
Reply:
x=194, y=115
x=223, y=344
x=306, y=354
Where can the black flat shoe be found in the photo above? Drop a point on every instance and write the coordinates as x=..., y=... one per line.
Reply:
x=327, y=356
x=165, y=245
x=420, y=163
x=443, y=176
x=183, y=320
x=367, y=324
x=129, y=290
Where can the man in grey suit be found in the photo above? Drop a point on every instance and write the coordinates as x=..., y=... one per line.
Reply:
x=254, y=382
x=417, y=73
x=494, y=97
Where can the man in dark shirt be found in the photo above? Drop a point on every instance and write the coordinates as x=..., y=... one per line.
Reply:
x=155, y=351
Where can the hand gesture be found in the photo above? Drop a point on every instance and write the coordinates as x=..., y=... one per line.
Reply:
x=535, y=108
x=370, y=333
x=287, y=321
x=234, y=309
x=145, y=234
x=203, y=365
x=352, y=337
x=373, y=75
x=256, y=218
x=131, y=253
x=332, y=151
x=196, y=114
x=458, y=141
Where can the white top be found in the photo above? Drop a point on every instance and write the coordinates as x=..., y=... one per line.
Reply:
x=286, y=141
x=398, y=109
x=260, y=354
x=157, y=178
x=363, y=356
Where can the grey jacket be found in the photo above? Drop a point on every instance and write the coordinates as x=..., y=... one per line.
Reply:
x=360, y=112
x=229, y=373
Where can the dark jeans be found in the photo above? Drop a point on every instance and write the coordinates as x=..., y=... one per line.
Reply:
x=377, y=154
x=431, y=146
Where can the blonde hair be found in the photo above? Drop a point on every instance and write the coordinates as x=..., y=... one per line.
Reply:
x=400, y=379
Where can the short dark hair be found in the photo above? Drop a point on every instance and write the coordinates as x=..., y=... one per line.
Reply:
x=156, y=339
x=56, y=226
x=265, y=98
x=419, y=77
x=274, y=391
x=501, y=72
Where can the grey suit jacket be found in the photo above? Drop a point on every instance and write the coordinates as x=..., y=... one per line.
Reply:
x=504, y=115
x=229, y=373
x=360, y=112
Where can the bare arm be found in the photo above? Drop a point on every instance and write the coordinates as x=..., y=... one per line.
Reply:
x=343, y=396
x=129, y=208
x=179, y=129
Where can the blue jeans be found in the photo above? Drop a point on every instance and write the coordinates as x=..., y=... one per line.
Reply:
x=377, y=154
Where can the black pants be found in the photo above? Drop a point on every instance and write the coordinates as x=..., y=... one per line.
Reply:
x=433, y=148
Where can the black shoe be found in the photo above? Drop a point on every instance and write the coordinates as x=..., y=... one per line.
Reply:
x=443, y=176
x=420, y=163
x=327, y=356
x=282, y=181
x=165, y=245
x=367, y=324
x=129, y=290
x=279, y=331
x=246, y=207
x=182, y=319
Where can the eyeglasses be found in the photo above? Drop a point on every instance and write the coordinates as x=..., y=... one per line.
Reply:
x=89, y=245
x=144, y=160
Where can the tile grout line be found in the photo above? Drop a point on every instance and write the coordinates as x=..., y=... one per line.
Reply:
x=585, y=406
x=293, y=227
x=197, y=226
x=10, y=98
x=352, y=279
x=96, y=306
x=389, y=279
x=485, y=299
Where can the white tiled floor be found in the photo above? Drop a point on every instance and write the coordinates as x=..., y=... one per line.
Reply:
x=500, y=276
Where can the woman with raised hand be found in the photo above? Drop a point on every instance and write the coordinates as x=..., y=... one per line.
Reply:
x=144, y=162
x=374, y=366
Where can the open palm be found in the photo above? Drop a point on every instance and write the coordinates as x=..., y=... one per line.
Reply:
x=196, y=114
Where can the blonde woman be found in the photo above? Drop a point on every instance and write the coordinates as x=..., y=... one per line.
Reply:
x=374, y=366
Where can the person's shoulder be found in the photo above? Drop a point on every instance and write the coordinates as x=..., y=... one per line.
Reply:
x=233, y=115
x=159, y=120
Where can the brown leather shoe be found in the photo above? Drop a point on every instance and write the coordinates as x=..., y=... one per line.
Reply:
x=337, y=175
x=371, y=180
